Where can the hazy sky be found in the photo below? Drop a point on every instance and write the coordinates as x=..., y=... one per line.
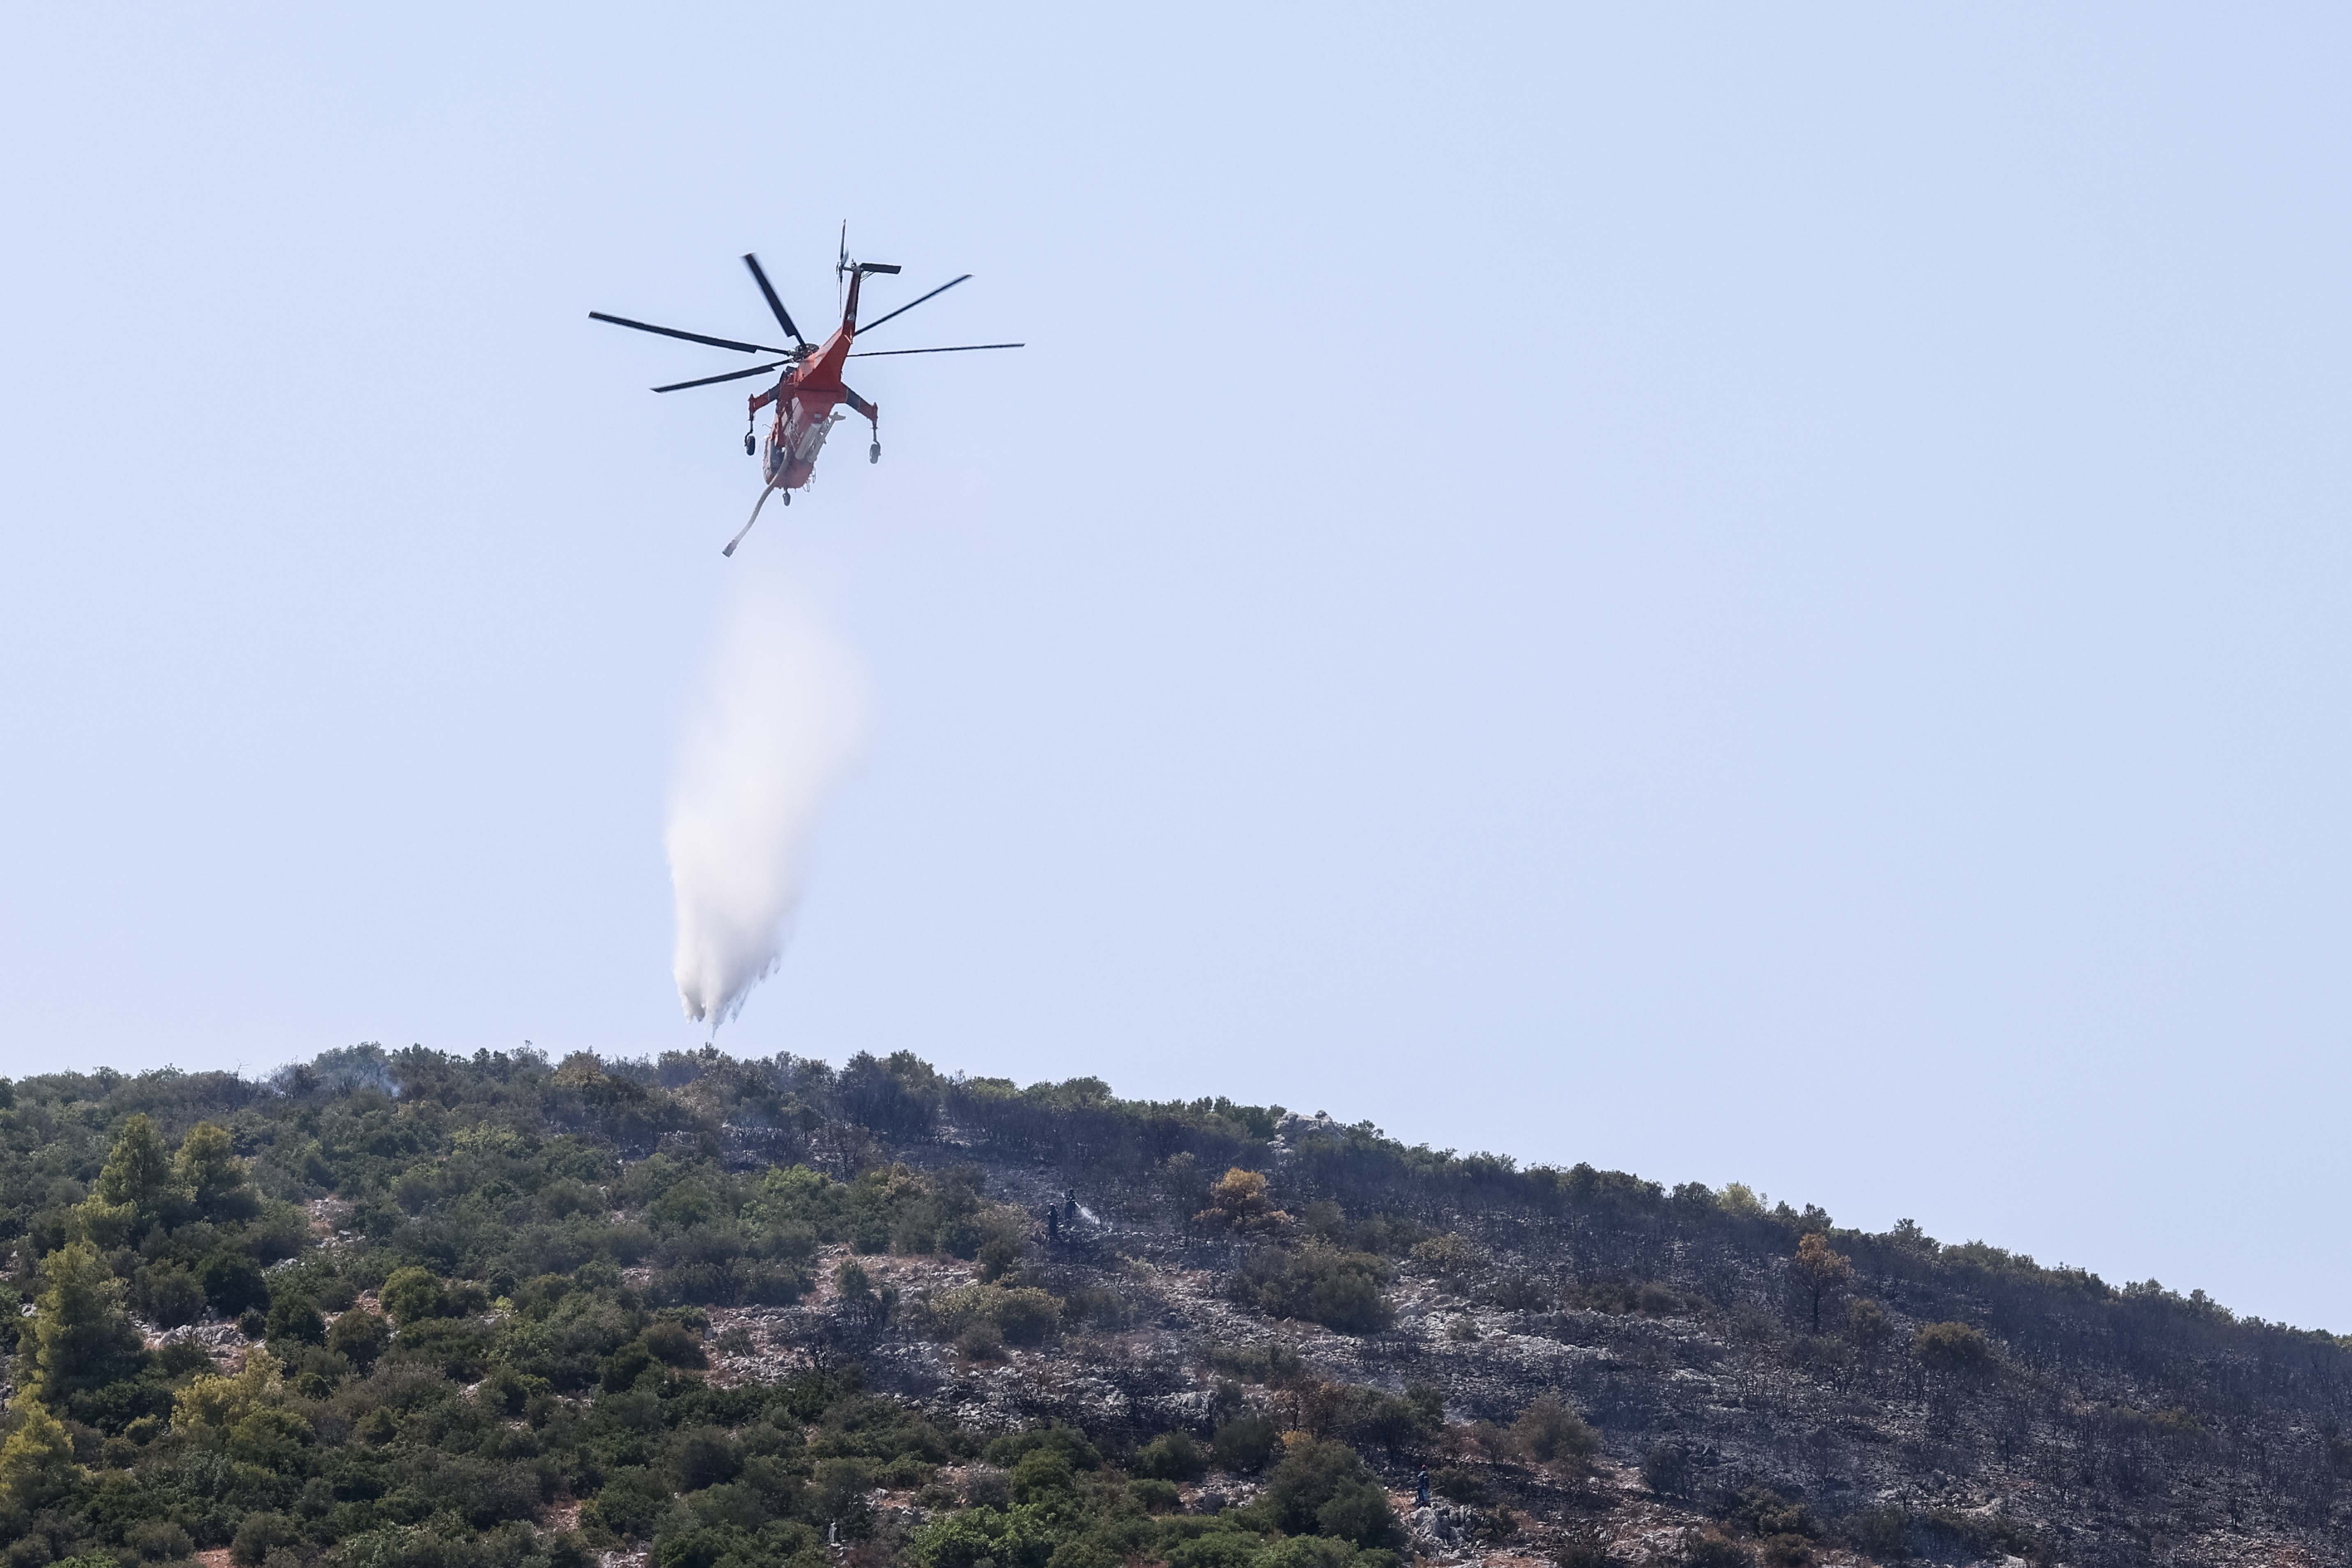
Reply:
x=1734, y=592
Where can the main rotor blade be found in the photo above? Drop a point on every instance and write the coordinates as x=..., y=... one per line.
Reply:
x=912, y=303
x=690, y=337
x=774, y=304
x=958, y=349
x=730, y=375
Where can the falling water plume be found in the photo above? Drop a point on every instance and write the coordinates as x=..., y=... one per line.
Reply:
x=782, y=713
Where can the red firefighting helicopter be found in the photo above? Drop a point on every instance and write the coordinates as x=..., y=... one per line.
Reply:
x=806, y=394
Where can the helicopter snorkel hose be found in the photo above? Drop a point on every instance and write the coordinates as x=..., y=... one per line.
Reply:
x=765, y=492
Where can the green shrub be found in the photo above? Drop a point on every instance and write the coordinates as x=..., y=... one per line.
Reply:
x=1318, y=1551
x=1704, y=1549
x=983, y=1318
x=837, y=1490
x=1246, y=1443
x=1095, y=1308
x=1949, y=1530
x=1587, y=1554
x=1340, y=1290
x=675, y=1344
x=1155, y=1495
x=1449, y=1260
x=1325, y=1488
x=233, y=1284
x=1866, y=1323
x=1953, y=1348
x=1390, y=1235
x=1041, y=1475
x=1765, y=1513
x=1227, y=1548
x=1883, y=1532
x=257, y=1533
x=698, y=1457
x=1549, y=1432
x=1010, y=1538
x=171, y=1294
x=1666, y=1470
x=1270, y=1362
x=1621, y=1297
x=295, y=1321
x=1026, y=1316
x=1519, y=1292
x=1067, y=1441
x=459, y=1347
x=410, y=1295
x=625, y=1365
x=360, y=1337
x=629, y=1504
x=1171, y=1457
x=155, y=1539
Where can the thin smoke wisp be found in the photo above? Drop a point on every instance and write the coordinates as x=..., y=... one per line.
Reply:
x=782, y=714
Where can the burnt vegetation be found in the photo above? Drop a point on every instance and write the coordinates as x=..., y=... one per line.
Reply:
x=404, y=1310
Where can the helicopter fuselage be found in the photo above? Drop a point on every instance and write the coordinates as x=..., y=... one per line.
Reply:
x=805, y=399
x=807, y=396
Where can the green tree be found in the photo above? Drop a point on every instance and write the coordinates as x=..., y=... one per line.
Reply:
x=233, y=1283
x=133, y=1190
x=137, y=1172
x=1866, y=1323
x=1739, y=1200
x=209, y=1172
x=81, y=1340
x=360, y=1336
x=1819, y=1271
x=37, y=1462
x=412, y=1295
x=1238, y=1201
x=171, y=1294
x=295, y=1321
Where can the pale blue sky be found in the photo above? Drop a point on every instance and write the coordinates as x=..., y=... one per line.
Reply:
x=1739, y=592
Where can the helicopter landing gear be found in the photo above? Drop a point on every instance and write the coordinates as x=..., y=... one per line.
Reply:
x=874, y=414
x=749, y=446
x=788, y=497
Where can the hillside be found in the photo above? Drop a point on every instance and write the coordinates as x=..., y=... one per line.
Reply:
x=400, y=1310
